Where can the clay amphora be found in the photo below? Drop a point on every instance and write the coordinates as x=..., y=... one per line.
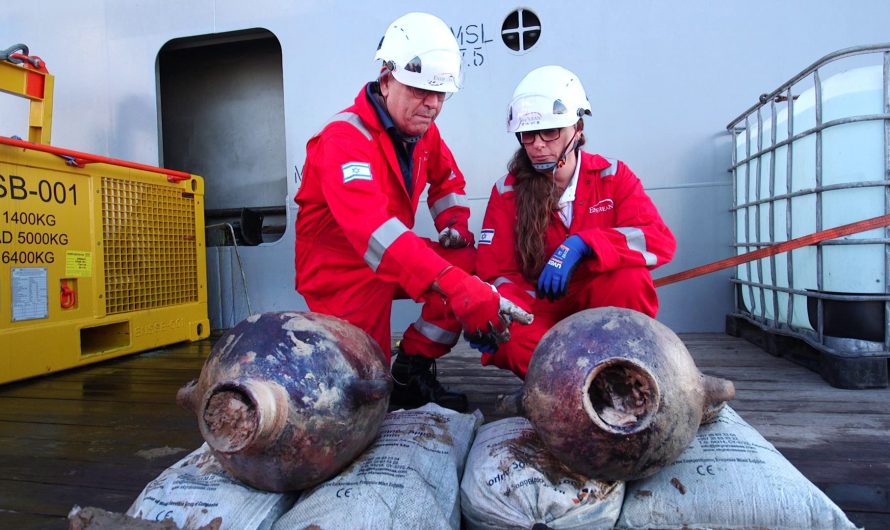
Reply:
x=286, y=400
x=615, y=395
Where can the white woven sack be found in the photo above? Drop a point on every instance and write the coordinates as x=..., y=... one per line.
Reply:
x=407, y=479
x=731, y=478
x=513, y=482
x=196, y=490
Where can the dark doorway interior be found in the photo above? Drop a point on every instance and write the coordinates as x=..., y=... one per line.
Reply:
x=222, y=117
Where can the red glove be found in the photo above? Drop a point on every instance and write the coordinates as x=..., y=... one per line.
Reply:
x=476, y=304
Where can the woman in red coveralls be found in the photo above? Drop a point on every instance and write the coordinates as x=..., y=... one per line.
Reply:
x=565, y=230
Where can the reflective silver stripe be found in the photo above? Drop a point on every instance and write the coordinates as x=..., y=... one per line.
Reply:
x=435, y=333
x=500, y=280
x=452, y=199
x=502, y=186
x=351, y=118
x=612, y=169
x=636, y=240
x=381, y=239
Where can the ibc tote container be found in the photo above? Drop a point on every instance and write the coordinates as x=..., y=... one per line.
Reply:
x=810, y=156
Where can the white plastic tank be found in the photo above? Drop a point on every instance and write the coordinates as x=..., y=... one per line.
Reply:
x=852, y=153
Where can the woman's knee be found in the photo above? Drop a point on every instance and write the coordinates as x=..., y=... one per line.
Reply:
x=630, y=287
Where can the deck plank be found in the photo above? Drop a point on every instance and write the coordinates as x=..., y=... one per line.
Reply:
x=96, y=435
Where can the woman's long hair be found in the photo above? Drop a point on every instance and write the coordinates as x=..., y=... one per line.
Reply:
x=537, y=197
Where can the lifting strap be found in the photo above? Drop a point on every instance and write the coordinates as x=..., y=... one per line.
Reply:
x=772, y=250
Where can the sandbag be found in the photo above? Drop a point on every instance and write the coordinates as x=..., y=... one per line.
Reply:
x=197, y=491
x=407, y=479
x=92, y=518
x=513, y=482
x=731, y=478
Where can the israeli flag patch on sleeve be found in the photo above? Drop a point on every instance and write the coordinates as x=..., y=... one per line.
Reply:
x=486, y=236
x=356, y=171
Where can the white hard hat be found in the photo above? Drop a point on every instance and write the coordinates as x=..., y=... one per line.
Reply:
x=421, y=51
x=549, y=97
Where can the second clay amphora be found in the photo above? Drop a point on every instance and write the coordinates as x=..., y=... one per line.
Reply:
x=286, y=400
x=615, y=394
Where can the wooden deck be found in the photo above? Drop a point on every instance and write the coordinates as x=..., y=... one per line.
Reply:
x=95, y=436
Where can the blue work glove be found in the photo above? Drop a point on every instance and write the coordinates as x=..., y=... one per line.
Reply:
x=483, y=344
x=554, y=279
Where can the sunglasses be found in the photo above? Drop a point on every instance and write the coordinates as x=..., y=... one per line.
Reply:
x=548, y=135
x=422, y=93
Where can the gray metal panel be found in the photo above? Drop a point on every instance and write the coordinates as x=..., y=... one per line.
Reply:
x=663, y=79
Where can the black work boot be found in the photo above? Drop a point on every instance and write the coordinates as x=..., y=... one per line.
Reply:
x=416, y=384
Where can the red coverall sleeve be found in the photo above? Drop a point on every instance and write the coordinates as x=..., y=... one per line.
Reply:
x=352, y=181
x=496, y=261
x=639, y=236
x=447, y=197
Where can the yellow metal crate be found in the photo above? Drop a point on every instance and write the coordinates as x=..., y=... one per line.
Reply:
x=95, y=262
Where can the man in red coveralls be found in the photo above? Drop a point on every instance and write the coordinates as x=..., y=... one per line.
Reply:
x=363, y=177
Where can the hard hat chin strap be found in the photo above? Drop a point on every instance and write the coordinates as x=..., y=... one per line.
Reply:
x=545, y=167
x=565, y=152
x=551, y=167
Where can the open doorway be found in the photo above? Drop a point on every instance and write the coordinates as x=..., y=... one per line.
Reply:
x=222, y=117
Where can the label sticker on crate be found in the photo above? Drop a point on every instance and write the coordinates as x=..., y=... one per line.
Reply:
x=78, y=263
x=30, y=297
